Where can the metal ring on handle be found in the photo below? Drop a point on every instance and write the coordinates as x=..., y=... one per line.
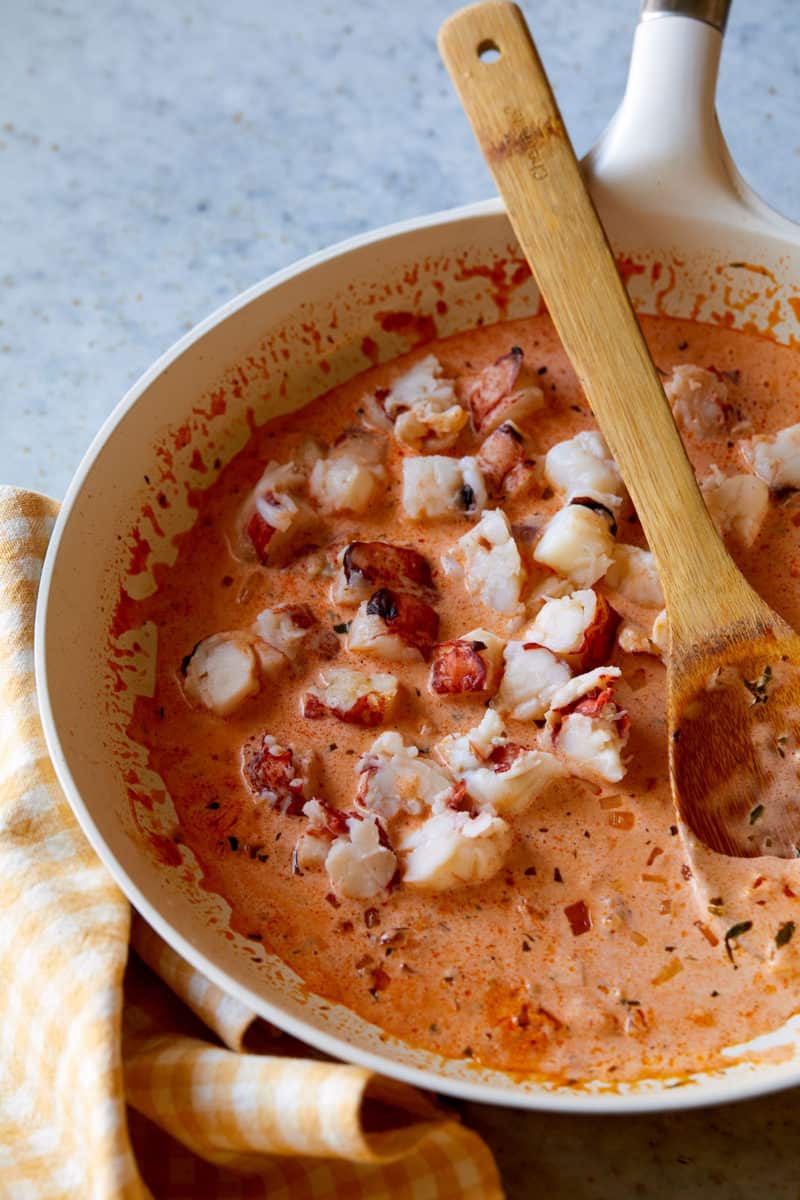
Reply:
x=712, y=12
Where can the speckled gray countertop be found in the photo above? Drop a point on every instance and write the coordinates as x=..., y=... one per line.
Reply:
x=157, y=158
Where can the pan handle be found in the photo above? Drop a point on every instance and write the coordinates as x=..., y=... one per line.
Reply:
x=663, y=152
x=713, y=12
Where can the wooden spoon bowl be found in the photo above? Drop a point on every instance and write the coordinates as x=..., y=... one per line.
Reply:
x=733, y=677
x=733, y=707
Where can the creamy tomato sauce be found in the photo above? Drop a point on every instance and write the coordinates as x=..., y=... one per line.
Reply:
x=599, y=949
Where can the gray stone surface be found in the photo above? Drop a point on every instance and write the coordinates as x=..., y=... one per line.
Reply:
x=157, y=158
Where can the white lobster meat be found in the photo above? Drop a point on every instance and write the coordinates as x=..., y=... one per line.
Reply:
x=452, y=849
x=358, y=863
x=587, y=729
x=581, y=625
x=577, y=542
x=462, y=751
x=698, y=398
x=490, y=562
x=531, y=678
x=223, y=671
x=274, y=516
x=738, y=504
x=581, y=686
x=775, y=458
x=551, y=587
x=594, y=745
x=437, y=486
x=633, y=638
x=310, y=851
x=497, y=774
x=582, y=467
x=395, y=777
x=659, y=634
x=347, y=480
x=633, y=574
x=284, y=628
x=424, y=407
x=351, y=696
x=323, y=825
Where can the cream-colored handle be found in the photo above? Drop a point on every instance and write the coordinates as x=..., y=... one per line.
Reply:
x=488, y=51
x=712, y=12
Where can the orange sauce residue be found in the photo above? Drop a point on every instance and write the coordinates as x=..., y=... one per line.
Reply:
x=628, y=267
x=418, y=328
x=587, y=957
x=165, y=849
x=505, y=276
x=139, y=553
x=755, y=268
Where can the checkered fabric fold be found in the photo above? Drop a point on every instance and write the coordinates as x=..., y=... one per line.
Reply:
x=131, y=1076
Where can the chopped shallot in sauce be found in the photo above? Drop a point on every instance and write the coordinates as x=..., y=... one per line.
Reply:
x=411, y=713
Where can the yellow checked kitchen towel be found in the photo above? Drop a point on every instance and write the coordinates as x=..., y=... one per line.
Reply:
x=125, y=1077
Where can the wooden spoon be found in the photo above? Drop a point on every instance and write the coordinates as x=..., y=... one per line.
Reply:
x=733, y=681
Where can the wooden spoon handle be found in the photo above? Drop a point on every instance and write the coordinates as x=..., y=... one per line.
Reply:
x=492, y=60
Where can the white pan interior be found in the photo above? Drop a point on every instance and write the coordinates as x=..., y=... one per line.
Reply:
x=717, y=255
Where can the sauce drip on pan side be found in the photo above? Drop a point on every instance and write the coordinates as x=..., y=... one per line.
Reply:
x=599, y=949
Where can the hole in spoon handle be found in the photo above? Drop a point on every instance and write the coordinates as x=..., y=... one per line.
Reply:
x=488, y=51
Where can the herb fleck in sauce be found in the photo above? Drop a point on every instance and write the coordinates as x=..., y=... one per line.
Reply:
x=557, y=966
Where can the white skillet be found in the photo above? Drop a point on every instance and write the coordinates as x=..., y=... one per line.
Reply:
x=702, y=244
